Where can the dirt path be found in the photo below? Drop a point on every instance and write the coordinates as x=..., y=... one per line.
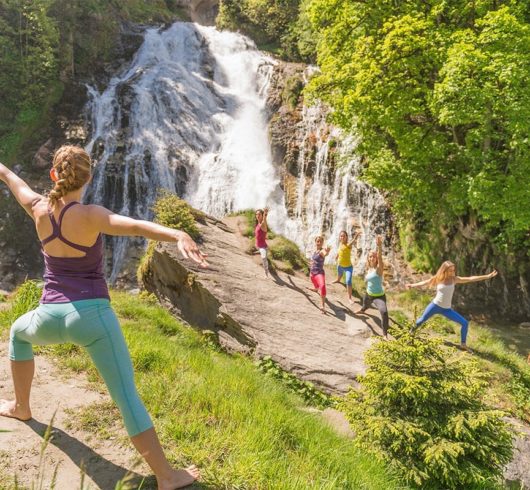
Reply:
x=105, y=461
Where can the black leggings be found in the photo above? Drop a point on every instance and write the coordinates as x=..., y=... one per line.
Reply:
x=380, y=303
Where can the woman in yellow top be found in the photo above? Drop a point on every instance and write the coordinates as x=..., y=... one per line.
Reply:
x=344, y=265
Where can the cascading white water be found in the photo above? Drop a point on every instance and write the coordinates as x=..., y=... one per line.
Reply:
x=330, y=197
x=189, y=115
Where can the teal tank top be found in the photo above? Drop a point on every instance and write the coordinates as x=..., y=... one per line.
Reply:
x=374, y=285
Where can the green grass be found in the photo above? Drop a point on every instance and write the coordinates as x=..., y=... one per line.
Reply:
x=243, y=428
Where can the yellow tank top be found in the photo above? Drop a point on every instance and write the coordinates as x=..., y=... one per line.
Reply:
x=344, y=255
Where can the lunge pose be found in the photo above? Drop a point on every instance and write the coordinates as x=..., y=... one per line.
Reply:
x=375, y=294
x=75, y=305
x=260, y=231
x=316, y=271
x=444, y=281
x=344, y=265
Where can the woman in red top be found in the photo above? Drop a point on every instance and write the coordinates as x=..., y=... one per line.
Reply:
x=260, y=231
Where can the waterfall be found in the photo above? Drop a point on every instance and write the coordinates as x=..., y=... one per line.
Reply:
x=189, y=115
x=330, y=197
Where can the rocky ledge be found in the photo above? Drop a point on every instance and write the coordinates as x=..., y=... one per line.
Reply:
x=249, y=313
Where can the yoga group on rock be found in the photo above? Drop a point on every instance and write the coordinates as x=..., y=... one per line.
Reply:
x=443, y=281
x=75, y=303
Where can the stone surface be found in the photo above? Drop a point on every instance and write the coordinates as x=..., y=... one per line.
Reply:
x=278, y=316
x=518, y=471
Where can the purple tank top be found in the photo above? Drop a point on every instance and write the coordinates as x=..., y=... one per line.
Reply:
x=68, y=279
x=317, y=264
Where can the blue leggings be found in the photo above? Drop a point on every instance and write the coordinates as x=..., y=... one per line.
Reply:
x=347, y=271
x=91, y=324
x=433, y=309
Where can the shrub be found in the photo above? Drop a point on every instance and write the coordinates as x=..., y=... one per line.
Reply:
x=173, y=212
x=26, y=298
x=287, y=251
x=423, y=413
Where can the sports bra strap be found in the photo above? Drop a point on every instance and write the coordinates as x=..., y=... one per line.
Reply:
x=61, y=215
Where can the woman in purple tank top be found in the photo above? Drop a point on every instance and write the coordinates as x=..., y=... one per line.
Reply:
x=75, y=302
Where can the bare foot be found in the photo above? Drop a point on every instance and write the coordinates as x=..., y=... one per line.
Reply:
x=8, y=408
x=350, y=300
x=362, y=311
x=180, y=479
x=314, y=290
x=336, y=281
x=323, y=311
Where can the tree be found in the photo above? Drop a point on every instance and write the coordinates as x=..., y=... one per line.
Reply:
x=419, y=408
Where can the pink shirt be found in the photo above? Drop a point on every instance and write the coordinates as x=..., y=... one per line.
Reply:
x=260, y=237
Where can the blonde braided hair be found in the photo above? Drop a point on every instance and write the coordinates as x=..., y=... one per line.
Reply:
x=73, y=168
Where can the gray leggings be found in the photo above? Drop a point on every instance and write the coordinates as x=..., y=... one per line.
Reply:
x=380, y=303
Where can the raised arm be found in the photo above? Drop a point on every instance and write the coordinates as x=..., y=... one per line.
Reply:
x=380, y=265
x=354, y=238
x=325, y=251
x=110, y=223
x=263, y=224
x=465, y=280
x=23, y=193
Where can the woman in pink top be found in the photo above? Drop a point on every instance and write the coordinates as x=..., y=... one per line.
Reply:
x=260, y=232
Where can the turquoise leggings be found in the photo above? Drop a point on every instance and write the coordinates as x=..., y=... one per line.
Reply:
x=91, y=324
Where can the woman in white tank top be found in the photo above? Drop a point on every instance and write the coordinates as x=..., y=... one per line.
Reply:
x=444, y=281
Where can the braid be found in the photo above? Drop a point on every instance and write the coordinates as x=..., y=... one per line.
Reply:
x=72, y=166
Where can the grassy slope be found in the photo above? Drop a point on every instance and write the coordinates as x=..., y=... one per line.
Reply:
x=243, y=428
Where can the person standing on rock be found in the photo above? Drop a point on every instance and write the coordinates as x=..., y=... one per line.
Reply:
x=344, y=265
x=75, y=303
x=316, y=271
x=444, y=281
x=375, y=293
x=260, y=232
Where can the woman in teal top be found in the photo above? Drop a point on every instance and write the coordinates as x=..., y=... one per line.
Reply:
x=375, y=294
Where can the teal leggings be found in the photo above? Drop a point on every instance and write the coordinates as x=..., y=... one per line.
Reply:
x=91, y=324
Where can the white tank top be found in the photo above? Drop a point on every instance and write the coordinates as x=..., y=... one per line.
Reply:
x=444, y=295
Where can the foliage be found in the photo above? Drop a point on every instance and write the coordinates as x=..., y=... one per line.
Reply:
x=173, y=212
x=438, y=93
x=279, y=25
x=26, y=298
x=419, y=408
x=292, y=90
x=305, y=389
x=287, y=251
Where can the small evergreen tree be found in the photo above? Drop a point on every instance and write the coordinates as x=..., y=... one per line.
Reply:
x=419, y=408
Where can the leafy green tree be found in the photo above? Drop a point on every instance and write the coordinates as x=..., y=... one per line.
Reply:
x=437, y=91
x=419, y=408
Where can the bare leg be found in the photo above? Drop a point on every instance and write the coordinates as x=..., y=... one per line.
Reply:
x=22, y=372
x=323, y=299
x=350, y=298
x=148, y=445
x=336, y=281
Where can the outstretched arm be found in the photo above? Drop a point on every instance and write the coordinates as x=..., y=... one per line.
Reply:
x=23, y=193
x=465, y=280
x=418, y=284
x=110, y=223
x=325, y=251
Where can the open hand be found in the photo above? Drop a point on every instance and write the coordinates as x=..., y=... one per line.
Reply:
x=379, y=240
x=492, y=274
x=189, y=249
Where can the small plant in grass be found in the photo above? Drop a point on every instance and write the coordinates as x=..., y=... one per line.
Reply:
x=419, y=408
x=173, y=212
x=304, y=389
x=26, y=298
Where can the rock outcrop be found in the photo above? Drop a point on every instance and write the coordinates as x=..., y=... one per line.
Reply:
x=252, y=314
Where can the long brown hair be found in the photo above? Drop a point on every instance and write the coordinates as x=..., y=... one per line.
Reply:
x=73, y=168
x=441, y=275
